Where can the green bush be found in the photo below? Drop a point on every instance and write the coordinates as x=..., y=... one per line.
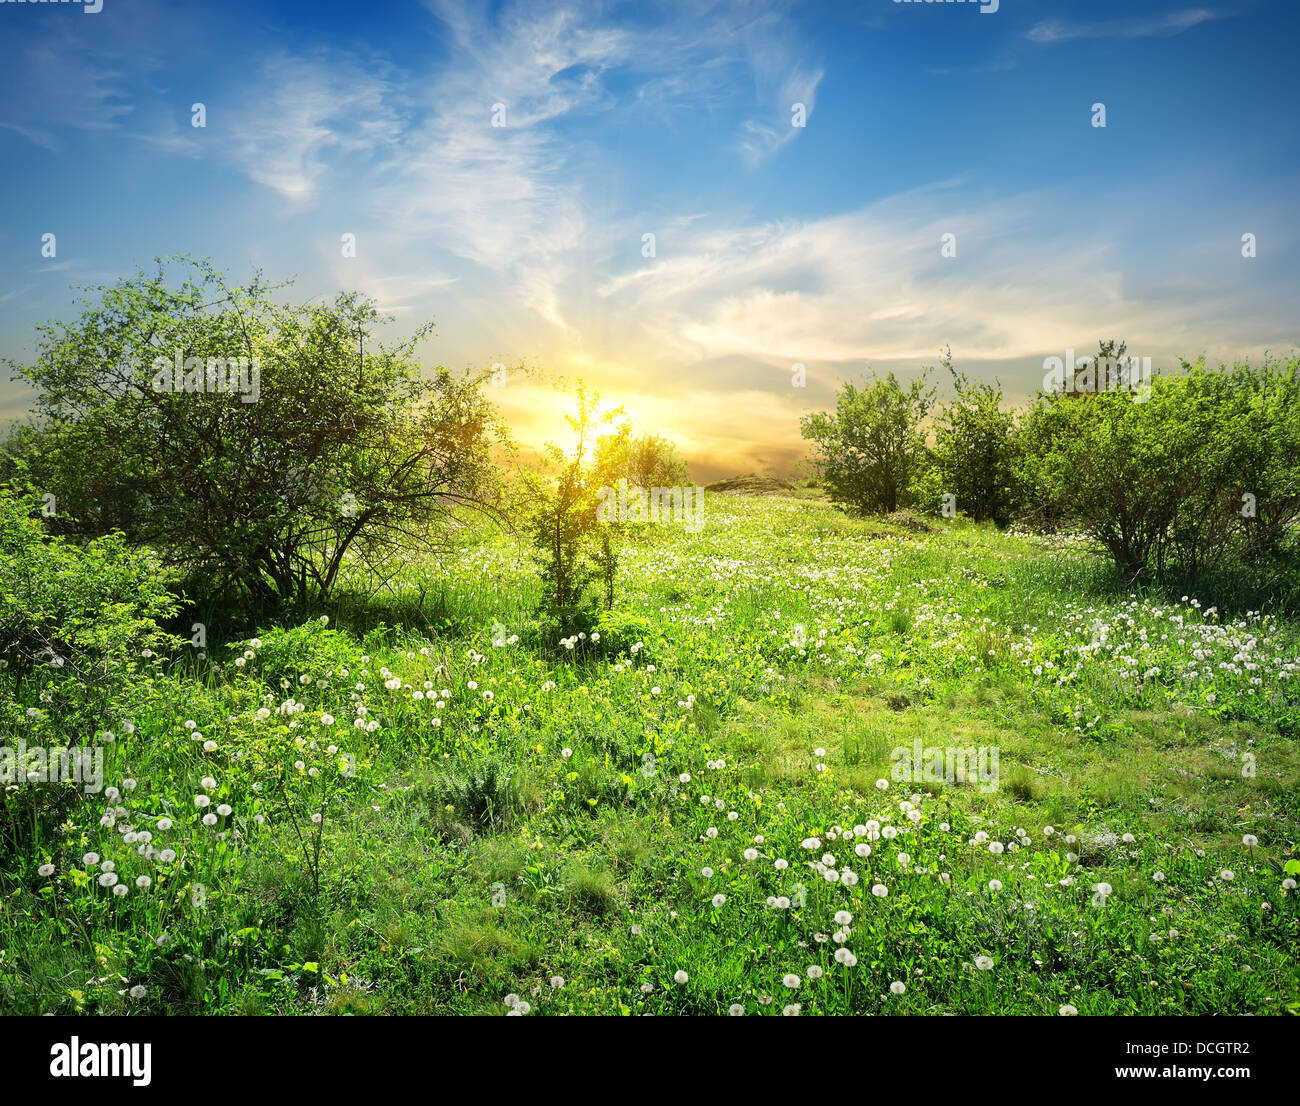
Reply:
x=872, y=450
x=310, y=649
x=78, y=623
x=1204, y=465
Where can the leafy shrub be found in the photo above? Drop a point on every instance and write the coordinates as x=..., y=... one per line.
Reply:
x=975, y=450
x=621, y=630
x=484, y=793
x=1205, y=464
x=872, y=449
x=78, y=624
x=309, y=649
x=260, y=480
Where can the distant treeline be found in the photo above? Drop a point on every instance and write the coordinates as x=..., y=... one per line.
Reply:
x=1181, y=469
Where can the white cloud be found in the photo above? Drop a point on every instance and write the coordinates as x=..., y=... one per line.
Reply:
x=871, y=286
x=1173, y=23
x=300, y=112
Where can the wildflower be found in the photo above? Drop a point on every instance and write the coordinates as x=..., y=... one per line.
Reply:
x=224, y=810
x=142, y=881
x=751, y=854
x=120, y=889
x=90, y=858
x=138, y=991
x=45, y=870
x=984, y=963
x=679, y=977
x=735, y=1010
x=995, y=885
x=791, y=1011
x=557, y=981
x=1250, y=840
x=201, y=801
x=843, y=917
x=898, y=987
x=719, y=900
x=814, y=972
x=1068, y=1011
x=107, y=879
x=209, y=819
x=1226, y=875
x=791, y=980
x=879, y=890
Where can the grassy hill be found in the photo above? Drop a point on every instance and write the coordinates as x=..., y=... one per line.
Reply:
x=701, y=810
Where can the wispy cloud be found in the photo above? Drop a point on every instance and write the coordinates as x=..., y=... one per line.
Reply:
x=871, y=285
x=1172, y=23
x=298, y=113
x=763, y=137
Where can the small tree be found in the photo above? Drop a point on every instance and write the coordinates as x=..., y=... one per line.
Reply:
x=1120, y=469
x=872, y=449
x=975, y=445
x=648, y=461
x=575, y=550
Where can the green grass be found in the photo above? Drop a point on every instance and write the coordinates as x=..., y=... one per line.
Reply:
x=787, y=652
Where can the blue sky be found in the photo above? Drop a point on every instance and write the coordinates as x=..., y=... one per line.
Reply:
x=774, y=244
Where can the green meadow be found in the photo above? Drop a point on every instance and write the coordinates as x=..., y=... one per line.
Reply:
x=420, y=801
